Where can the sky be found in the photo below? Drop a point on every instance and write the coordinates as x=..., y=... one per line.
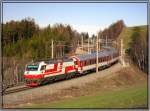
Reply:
x=83, y=17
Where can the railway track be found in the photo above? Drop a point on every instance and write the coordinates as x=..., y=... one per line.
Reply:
x=21, y=88
x=16, y=89
x=35, y=93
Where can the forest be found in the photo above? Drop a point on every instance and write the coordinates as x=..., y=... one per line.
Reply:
x=137, y=48
x=113, y=31
x=25, y=39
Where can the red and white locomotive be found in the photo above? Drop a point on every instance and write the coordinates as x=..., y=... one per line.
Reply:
x=38, y=73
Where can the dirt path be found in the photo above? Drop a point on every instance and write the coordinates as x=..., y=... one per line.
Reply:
x=28, y=96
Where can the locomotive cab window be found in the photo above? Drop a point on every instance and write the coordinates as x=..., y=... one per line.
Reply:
x=43, y=67
x=32, y=68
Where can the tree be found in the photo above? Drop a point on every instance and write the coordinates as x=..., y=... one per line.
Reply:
x=113, y=31
x=137, y=49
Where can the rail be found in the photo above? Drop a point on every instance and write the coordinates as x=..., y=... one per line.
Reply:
x=16, y=89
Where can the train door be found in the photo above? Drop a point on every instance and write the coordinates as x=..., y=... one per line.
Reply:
x=43, y=68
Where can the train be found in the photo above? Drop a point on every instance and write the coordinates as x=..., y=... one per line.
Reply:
x=41, y=72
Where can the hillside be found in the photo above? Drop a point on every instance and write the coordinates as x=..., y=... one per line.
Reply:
x=128, y=31
x=135, y=43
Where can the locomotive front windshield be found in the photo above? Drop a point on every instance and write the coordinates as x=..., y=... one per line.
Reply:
x=32, y=68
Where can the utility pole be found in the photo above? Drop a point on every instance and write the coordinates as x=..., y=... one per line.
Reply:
x=98, y=42
x=46, y=49
x=78, y=43
x=82, y=42
x=92, y=44
x=106, y=41
x=97, y=55
x=90, y=50
x=88, y=46
x=52, y=56
x=122, y=53
x=63, y=50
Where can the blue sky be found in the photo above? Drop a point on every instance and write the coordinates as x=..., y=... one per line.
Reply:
x=87, y=17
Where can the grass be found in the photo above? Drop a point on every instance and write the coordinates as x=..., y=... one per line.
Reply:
x=134, y=97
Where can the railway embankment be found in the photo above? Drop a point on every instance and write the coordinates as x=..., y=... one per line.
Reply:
x=35, y=94
x=115, y=78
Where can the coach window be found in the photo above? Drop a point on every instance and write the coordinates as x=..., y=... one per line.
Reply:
x=82, y=63
x=43, y=67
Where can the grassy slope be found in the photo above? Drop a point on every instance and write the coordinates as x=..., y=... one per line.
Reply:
x=127, y=98
x=124, y=89
x=128, y=95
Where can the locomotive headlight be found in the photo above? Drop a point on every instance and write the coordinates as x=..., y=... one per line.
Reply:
x=26, y=72
x=42, y=71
